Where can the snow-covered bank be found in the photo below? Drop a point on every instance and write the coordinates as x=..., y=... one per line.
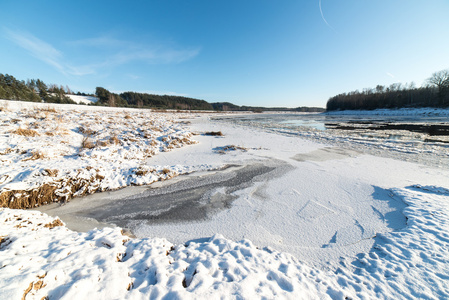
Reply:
x=316, y=202
x=355, y=225
x=39, y=261
x=83, y=99
x=55, y=152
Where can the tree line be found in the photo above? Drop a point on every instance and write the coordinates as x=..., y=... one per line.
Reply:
x=37, y=91
x=435, y=93
x=34, y=90
x=144, y=100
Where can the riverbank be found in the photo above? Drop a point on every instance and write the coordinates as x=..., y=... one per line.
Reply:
x=354, y=225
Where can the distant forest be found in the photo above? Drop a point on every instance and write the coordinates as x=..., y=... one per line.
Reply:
x=32, y=90
x=37, y=91
x=143, y=100
x=434, y=94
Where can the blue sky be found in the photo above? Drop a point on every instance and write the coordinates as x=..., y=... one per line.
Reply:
x=261, y=53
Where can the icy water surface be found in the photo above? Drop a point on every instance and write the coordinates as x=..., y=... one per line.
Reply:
x=419, y=138
x=321, y=121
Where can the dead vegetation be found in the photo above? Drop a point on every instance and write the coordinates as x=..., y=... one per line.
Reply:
x=142, y=171
x=214, y=133
x=35, y=155
x=39, y=284
x=18, y=199
x=102, y=143
x=26, y=132
x=4, y=107
x=94, y=131
x=50, y=172
x=87, y=131
x=114, y=140
x=228, y=148
x=6, y=151
x=87, y=143
x=4, y=241
x=47, y=109
x=55, y=223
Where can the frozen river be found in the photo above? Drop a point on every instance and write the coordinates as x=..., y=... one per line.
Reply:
x=420, y=138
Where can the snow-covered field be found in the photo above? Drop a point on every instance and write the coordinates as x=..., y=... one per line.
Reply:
x=83, y=99
x=73, y=150
x=313, y=221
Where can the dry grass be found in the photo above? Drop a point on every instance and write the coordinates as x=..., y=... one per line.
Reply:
x=101, y=143
x=35, y=155
x=6, y=151
x=47, y=109
x=114, y=140
x=225, y=149
x=141, y=172
x=4, y=240
x=51, y=173
x=4, y=106
x=19, y=199
x=165, y=171
x=27, y=290
x=87, y=131
x=214, y=133
x=54, y=224
x=87, y=143
x=128, y=117
x=25, y=132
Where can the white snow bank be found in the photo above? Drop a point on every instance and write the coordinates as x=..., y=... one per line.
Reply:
x=83, y=99
x=37, y=261
x=81, y=149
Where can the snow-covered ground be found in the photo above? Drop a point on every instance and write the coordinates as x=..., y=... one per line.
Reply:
x=408, y=145
x=355, y=225
x=79, y=150
x=83, y=99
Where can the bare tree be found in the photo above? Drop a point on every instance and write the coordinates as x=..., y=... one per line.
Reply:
x=111, y=100
x=440, y=79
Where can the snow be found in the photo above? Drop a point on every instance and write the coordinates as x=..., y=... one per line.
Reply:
x=96, y=149
x=83, y=99
x=419, y=147
x=61, y=264
x=311, y=220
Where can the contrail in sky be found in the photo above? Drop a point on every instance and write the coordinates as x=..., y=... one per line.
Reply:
x=322, y=16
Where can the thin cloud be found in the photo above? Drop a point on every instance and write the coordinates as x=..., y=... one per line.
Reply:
x=99, y=42
x=45, y=52
x=126, y=51
x=119, y=52
x=151, y=56
x=391, y=75
x=322, y=16
x=37, y=48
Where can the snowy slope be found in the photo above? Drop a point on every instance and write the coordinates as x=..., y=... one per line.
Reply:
x=83, y=99
x=78, y=150
x=359, y=226
x=39, y=261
